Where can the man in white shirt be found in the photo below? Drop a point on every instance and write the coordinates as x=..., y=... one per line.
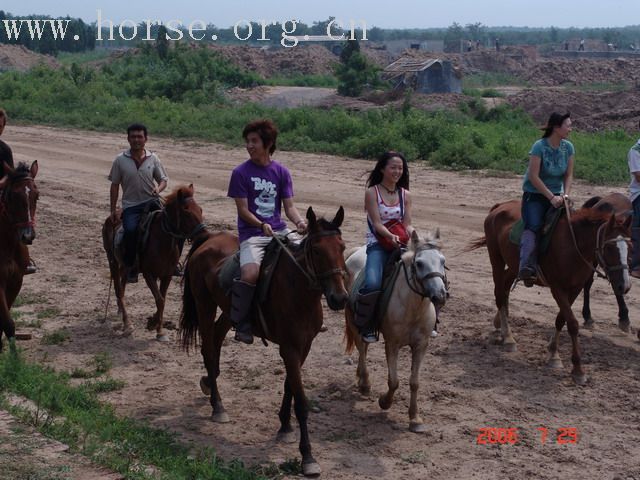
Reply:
x=633, y=157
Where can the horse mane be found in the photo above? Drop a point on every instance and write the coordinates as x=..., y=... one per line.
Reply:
x=21, y=171
x=589, y=215
x=173, y=196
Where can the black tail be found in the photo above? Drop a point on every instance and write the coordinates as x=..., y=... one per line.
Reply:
x=189, y=315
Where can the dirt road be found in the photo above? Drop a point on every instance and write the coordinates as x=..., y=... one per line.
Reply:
x=466, y=383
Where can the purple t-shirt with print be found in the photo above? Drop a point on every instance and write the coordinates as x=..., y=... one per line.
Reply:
x=264, y=188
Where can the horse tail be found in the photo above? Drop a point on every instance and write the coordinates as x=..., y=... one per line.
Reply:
x=475, y=244
x=349, y=336
x=189, y=314
x=591, y=202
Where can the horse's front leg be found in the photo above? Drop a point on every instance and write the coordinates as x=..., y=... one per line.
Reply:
x=554, y=356
x=285, y=434
x=6, y=322
x=391, y=351
x=293, y=365
x=119, y=285
x=623, y=314
x=364, y=386
x=156, y=319
x=212, y=337
x=564, y=301
x=586, y=304
x=416, y=424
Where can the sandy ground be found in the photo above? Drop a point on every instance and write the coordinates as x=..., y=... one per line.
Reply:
x=466, y=383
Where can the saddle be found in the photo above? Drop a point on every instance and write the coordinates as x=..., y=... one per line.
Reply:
x=390, y=275
x=230, y=270
x=152, y=209
x=550, y=222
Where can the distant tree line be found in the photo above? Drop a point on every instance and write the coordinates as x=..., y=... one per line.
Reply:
x=48, y=43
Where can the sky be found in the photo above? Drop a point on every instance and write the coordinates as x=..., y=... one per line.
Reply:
x=384, y=14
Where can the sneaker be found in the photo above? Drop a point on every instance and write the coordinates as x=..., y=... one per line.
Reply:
x=369, y=337
x=31, y=267
x=434, y=333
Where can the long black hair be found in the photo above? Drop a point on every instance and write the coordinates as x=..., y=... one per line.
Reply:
x=375, y=177
x=555, y=120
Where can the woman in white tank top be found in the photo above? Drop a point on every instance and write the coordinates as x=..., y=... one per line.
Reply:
x=386, y=198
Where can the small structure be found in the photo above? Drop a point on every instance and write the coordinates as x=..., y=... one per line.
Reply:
x=424, y=76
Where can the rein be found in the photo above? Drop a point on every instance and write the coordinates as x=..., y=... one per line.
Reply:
x=4, y=201
x=311, y=275
x=168, y=228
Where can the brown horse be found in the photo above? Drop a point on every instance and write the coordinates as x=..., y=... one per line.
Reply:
x=18, y=198
x=621, y=206
x=292, y=313
x=181, y=218
x=566, y=267
x=410, y=317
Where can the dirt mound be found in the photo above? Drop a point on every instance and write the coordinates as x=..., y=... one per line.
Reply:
x=582, y=72
x=17, y=57
x=304, y=60
x=590, y=111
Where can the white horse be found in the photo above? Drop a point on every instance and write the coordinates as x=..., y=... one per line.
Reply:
x=409, y=319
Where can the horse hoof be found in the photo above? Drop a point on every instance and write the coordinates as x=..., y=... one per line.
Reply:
x=220, y=417
x=311, y=469
x=286, y=437
x=365, y=390
x=206, y=389
x=162, y=338
x=579, y=379
x=416, y=427
x=555, y=363
x=510, y=347
x=624, y=326
x=384, y=405
x=589, y=324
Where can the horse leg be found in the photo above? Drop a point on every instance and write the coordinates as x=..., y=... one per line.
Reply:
x=586, y=308
x=119, y=284
x=364, y=386
x=285, y=434
x=293, y=364
x=623, y=314
x=554, y=359
x=391, y=351
x=416, y=423
x=159, y=296
x=212, y=337
x=6, y=323
x=502, y=302
x=564, y=301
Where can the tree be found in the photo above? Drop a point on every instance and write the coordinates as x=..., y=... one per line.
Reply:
x=162, y=42
x=354, y=71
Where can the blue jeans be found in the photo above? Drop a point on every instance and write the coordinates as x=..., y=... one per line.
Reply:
x=534, y=208
x=376, y=260
x=635, y=222
x=130, y=220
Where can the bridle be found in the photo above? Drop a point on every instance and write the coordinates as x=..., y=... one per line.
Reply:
x=600, y=245
x=314, y=278
x=174, y=231
x=414, y=281
x=5, y=199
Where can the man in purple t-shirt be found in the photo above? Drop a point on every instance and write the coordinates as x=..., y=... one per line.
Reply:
x=259, y=187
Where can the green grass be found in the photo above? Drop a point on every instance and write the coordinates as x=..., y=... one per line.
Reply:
x=55, y=338
x=49, y=312
x=26, y=298
x=104, y=386
x=491, y=79
x=600, y=87
x=67, y=58
x=299, y=80
x=75, y=416
x=102, y=362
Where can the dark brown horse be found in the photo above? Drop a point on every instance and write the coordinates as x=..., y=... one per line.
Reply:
x=621, y=206
x=17, y=230
x=181, y=218
x=292, y=313
x=566, y=266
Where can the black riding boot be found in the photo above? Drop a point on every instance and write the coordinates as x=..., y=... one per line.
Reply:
x=635, y=252
x=241, y=301
x=528, y=257
x=365, y=316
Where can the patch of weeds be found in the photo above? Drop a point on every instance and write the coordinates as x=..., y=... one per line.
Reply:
x=293, y=466
x=55, y=338
x=104, y=386
x=81, y=373
x=37, y=323
x=102, y=362
x=417, y=457
x=49, y=312
x=343, y=436
x=27, y=298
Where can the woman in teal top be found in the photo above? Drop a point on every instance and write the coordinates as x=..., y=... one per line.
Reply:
x=546, y=183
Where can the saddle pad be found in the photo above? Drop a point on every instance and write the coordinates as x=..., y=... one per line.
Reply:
x=550, y=222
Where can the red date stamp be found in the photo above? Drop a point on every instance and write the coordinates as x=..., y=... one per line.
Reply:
x=511, y=436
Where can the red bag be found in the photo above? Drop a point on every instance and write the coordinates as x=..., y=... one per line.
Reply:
x=397, y=228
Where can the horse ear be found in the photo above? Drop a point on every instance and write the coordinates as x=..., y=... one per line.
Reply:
x=414, y=238
x=311, y=216
x=337, y=220
x=437, y=233
x=191, y=189
x=34, y=169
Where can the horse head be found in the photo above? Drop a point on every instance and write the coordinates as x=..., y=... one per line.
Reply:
x=19, y=198
x=324, y=249
x=612, y=250
x=184, y=215
x=427, y=267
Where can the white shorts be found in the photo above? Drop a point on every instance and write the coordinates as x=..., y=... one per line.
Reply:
x=252, y=249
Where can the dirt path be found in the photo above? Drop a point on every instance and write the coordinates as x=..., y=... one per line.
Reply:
x=466, y=383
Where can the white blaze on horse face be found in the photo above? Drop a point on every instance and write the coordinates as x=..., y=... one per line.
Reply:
x=26, y=191
x=621, y=243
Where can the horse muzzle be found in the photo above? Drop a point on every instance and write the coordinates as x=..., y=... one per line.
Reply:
x=336, y=301
x=27, y=235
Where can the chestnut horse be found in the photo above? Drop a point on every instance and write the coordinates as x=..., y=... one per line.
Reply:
x=620, y=205
x=410, y=317
x=566, y=266
x=181, y=218
x=18, y=198
x=292, y=314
